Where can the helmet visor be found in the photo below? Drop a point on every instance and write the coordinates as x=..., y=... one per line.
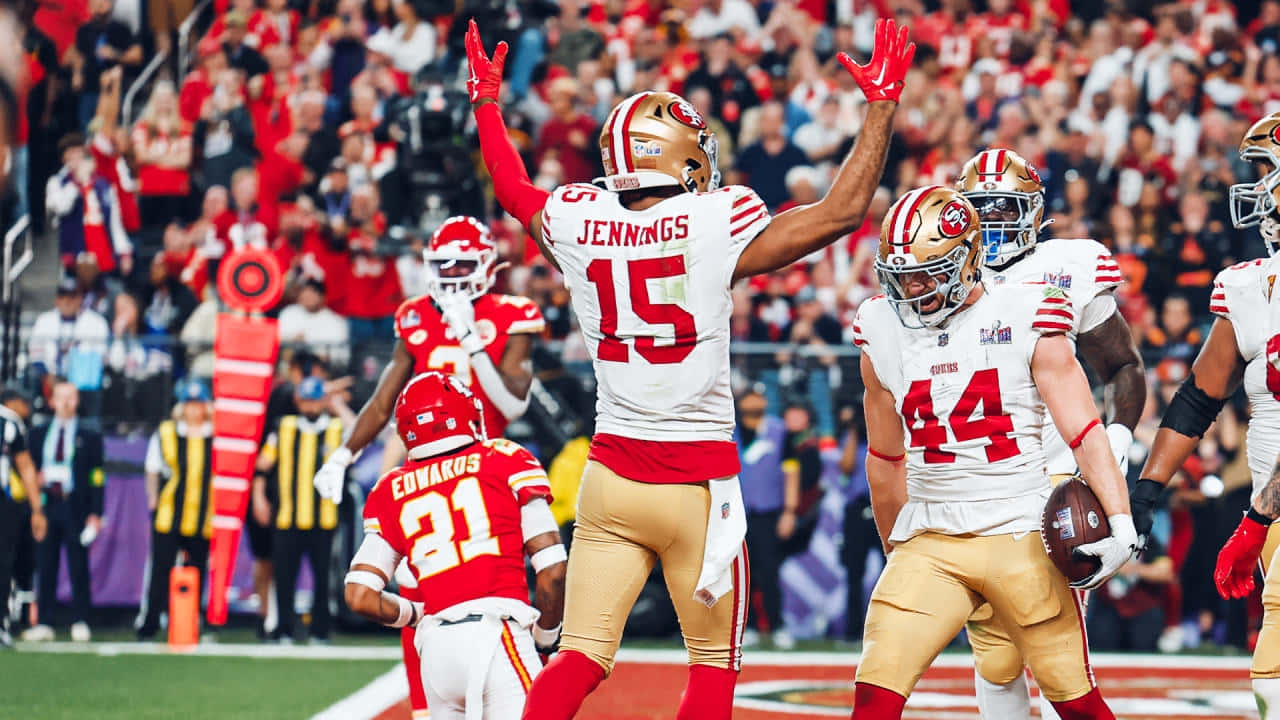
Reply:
x=1006, y=224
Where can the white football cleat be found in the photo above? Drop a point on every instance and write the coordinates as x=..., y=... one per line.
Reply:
x=80, y=632
x=38, y=633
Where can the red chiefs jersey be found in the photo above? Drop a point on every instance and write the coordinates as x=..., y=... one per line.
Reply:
x=433, y=347
x=456, y=517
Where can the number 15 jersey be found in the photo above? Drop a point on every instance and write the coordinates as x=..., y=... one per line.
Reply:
x=651, y=292
x=970, y=408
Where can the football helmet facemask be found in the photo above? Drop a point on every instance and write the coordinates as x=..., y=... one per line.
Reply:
x=929, y=256
x=657, y=139
x=1256, y=203
x=461, y=258
x=1008, y=194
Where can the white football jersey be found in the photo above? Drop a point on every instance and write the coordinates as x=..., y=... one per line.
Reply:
x=1086, y=271
x=651, y=292
x=1241, y=294
x=970, y=409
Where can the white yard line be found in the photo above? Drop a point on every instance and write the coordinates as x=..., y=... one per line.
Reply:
x=371, y=700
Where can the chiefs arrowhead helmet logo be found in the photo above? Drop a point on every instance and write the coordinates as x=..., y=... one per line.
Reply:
x=954, y=219
x=685, y=113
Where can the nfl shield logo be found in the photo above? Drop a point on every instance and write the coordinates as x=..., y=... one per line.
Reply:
x=943, y=339
x=724, y=511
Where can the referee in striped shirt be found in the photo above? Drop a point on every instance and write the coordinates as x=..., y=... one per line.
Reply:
x=14, y=456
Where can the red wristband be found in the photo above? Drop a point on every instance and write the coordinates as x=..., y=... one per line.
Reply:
x=887, y=458
x=1075, y=443
x=516, y=193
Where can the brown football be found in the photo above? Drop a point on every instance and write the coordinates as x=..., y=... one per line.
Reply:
x=1073, y=517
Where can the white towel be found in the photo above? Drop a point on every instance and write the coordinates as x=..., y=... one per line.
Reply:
x=726, y=529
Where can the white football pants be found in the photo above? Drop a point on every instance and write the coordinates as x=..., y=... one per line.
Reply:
x=479, y=668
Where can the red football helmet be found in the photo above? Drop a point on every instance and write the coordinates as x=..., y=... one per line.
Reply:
x=460, y=259
x=435, y=413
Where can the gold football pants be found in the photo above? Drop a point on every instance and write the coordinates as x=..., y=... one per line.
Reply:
x=933, y=583
x=994, y=654
x=1266, y=656
x=623, y=527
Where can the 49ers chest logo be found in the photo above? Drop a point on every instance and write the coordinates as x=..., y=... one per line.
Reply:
x=685, y=113
x=954, y=219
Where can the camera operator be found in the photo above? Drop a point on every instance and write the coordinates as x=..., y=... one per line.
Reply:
x=434, y=169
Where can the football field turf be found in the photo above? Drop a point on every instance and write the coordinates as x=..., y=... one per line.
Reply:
x=364, y=682
x=52, y=686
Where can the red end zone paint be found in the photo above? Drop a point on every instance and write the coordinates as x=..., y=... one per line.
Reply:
x=1176, y=689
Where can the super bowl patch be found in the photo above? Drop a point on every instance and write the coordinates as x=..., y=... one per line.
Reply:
x=1066, y=529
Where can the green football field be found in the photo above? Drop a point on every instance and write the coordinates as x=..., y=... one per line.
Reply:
x=51, y=686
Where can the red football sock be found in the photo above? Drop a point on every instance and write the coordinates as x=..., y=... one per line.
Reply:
x=1089, y=707
x=876, y=703
x=413, y=668
x=560, y=688
x=709, y=694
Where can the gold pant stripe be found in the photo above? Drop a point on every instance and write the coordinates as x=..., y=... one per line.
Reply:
x=304, y=480
x=168, y=434
x=194, y=490
x=328, y=509
x=284, y=472
x=1266, y=656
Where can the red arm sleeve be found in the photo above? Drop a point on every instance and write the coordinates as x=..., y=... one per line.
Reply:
x=511, y=184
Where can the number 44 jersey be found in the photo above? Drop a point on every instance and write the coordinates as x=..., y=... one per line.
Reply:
x=651, y=292
x=456, y=517
x=970, y=409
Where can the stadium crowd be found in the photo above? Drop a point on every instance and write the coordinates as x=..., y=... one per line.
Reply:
x=336, y=134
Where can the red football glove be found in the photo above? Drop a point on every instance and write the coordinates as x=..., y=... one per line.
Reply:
x=485, y=80
x=881, y=77
x=1238, y=559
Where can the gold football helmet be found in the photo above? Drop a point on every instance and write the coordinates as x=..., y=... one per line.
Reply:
x=1008, y=194
x=1255, y=203
x=656, y=139
x=928, y=259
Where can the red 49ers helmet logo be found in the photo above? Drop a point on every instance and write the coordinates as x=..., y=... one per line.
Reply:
x=1033, y=173
x=954, y=219
x=685, y=113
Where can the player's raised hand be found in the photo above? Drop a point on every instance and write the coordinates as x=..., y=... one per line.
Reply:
x=881, y=78
x=485, y=80
x=1238, y=559
x=1113, y=552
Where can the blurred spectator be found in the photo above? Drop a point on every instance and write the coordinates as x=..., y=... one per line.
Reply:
x=86, y=211
x=162, y=153
x=720, y=73
x=1128, y=610
x=860, y=537
x=372, y=291
x=198, y=333
x=1173, y=24
x=164, y=18
x=69, y=340
x=101, y=44
x=241, y=54
x=822, y=138
x=764, y=164
x=223, y=135
x=139, y=367
x=570, y=40
x=771, y=491
x=322, y=140
x=570, y=137
x=311, y=324
x=413, y=38
x=198, y=86
x=808, y=369
x=1176, y=337
x=716, y=17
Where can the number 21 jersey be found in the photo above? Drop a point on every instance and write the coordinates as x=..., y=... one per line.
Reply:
x=970, y=409
x=651, y=292
x=456, y=517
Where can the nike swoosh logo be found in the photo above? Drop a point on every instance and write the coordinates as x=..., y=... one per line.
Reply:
x=880, y=79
